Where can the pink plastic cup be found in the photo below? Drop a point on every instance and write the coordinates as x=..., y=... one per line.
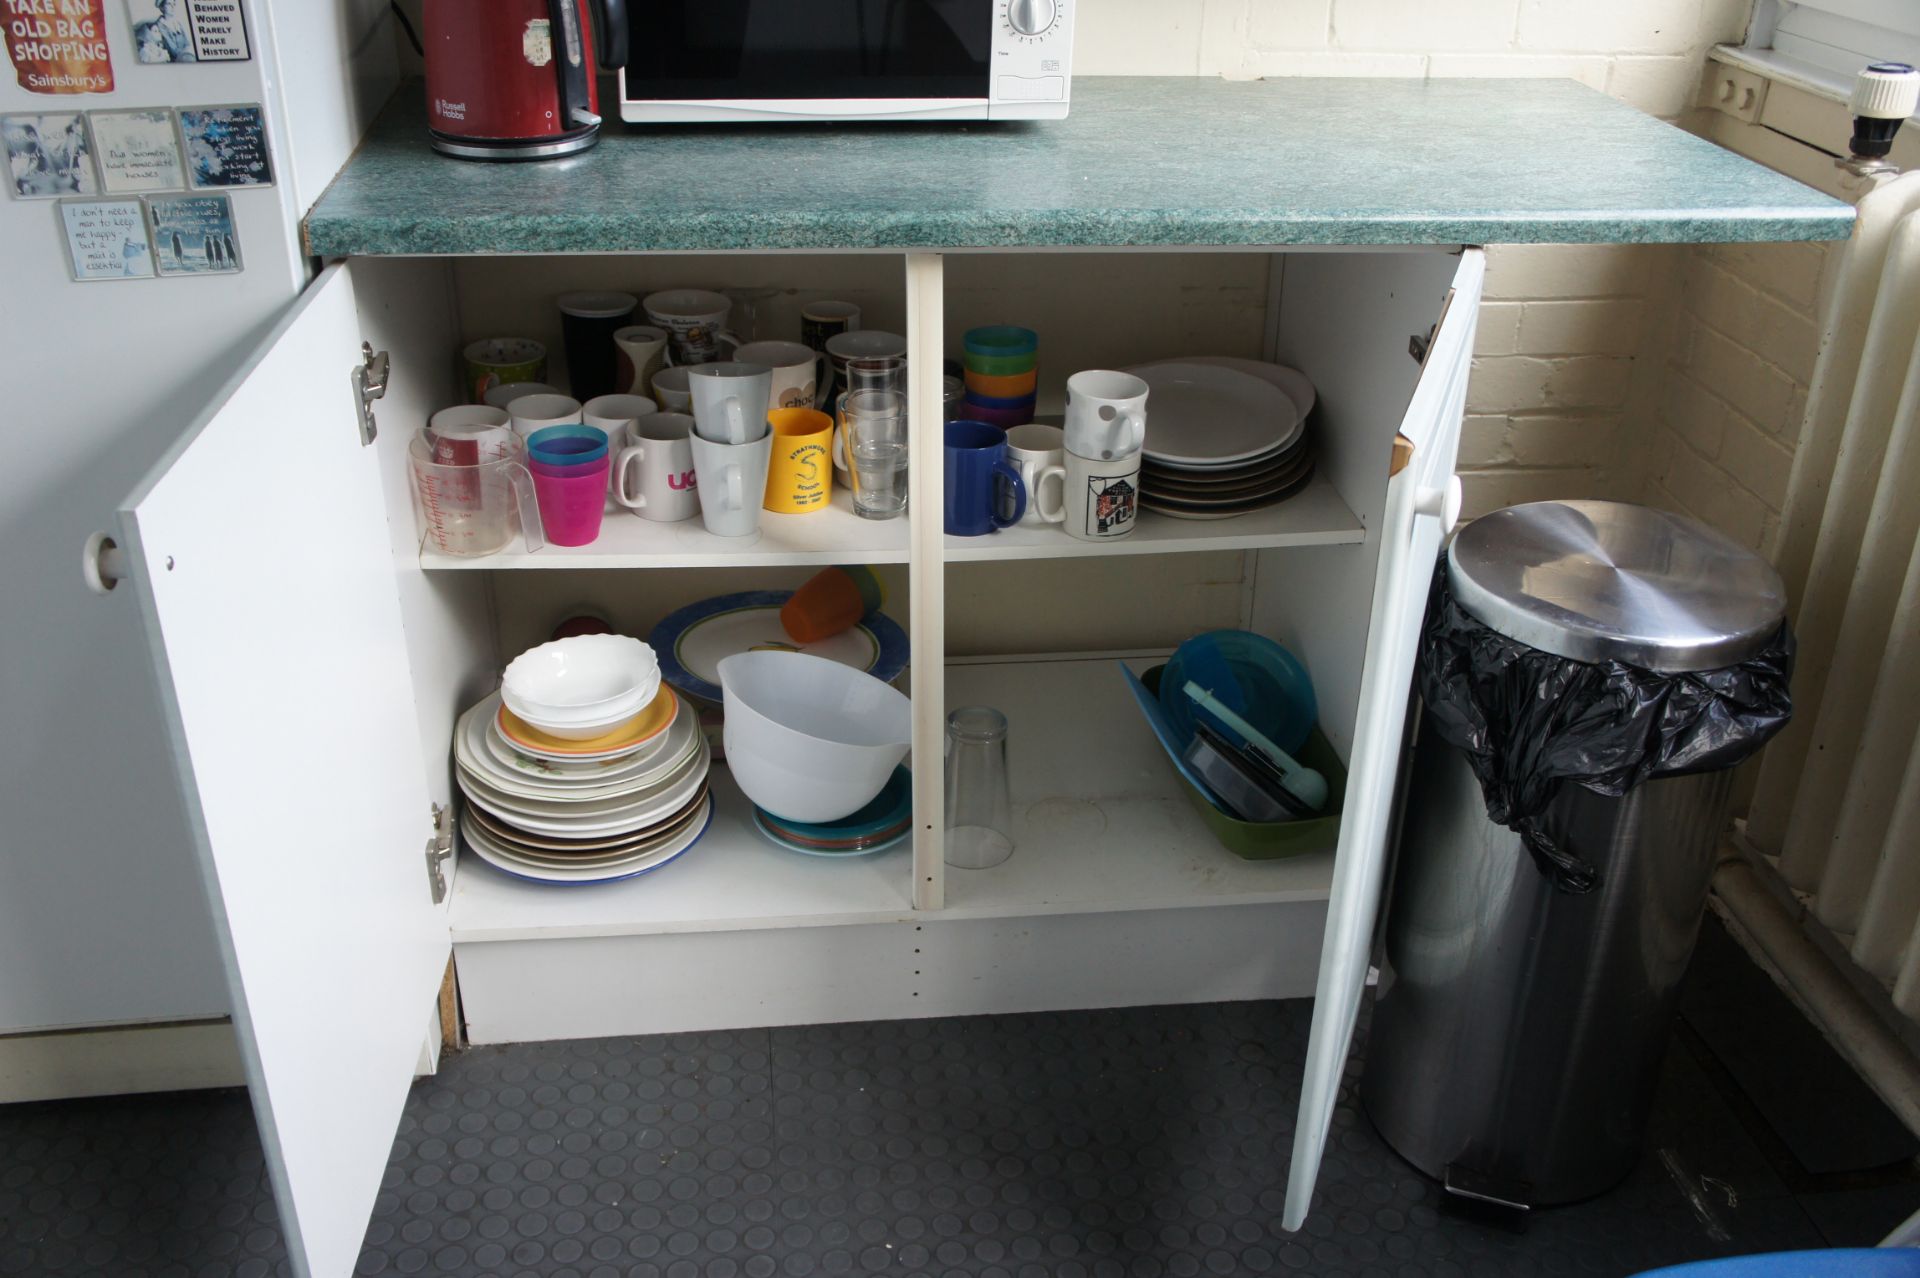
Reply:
x=569, y=471
x=571, y=503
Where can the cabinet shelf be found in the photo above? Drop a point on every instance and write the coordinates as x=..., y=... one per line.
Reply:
x=1107, y=828
x=1098, y=831
x=1316, y=516
x=732, y=879
x=833, y=536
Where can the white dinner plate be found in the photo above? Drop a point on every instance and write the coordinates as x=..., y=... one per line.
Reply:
x=516, y=845
x=1174, y=508
x=475, y=735
x=1296, y=385
x=1227, y=476
x=605, y=808
x=547, y=845
x=1205, y=415
x=623, y=821
x=507, y=863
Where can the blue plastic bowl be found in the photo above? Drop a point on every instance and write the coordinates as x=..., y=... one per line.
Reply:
x=1252, y=675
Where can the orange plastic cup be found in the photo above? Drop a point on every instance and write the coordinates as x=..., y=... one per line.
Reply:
x=1009, y=386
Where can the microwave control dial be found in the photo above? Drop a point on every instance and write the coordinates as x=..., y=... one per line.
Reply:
x=1032, y=18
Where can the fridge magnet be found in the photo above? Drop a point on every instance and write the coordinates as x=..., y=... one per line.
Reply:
x=48, y=155
x=188, y=31
x=226, y=146
x=194, y=234
x=106, y=239
x=137, y=151
x=59, y=46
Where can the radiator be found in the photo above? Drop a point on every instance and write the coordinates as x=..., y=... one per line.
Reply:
x=1838, y=798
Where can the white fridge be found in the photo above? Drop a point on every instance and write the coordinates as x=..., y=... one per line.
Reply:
x=104, y=924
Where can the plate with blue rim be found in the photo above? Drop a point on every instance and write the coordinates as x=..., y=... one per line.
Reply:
x=691, y=641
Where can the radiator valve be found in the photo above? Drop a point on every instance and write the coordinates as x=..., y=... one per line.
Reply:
x=1884, y=96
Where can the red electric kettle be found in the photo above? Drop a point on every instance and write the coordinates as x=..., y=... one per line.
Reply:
x=514, y=79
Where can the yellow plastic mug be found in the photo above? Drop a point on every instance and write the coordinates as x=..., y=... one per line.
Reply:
x=800, y=476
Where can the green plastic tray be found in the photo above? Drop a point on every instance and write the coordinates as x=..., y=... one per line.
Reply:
x=1272, y=840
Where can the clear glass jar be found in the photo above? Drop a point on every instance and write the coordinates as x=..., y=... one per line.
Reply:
x=979, y=805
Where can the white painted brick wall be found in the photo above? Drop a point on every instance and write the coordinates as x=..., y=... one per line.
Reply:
x=1733, y=386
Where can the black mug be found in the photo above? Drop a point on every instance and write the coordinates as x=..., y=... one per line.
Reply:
x=588, y=322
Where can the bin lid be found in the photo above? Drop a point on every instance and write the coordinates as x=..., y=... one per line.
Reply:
x=1608, y=581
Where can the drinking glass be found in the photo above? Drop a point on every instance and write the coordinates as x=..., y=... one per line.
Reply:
x=876, y=448
x=979, y=808
x=877, y=372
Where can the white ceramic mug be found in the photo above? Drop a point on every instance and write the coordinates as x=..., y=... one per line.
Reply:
x=1039, y=452
x=654, y=475
x=642, y=350
x=730, y=400
x=614, y=413
x=1103, y=496
x=695, y=320
x=799, y=374
x=1106, y=414
x=506, y=392
x=732, y=483
x=670, y=390
x=534, y=412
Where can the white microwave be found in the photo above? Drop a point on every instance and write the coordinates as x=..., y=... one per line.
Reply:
x=719, y=61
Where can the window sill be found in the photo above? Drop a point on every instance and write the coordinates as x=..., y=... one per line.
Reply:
x=1799, y=125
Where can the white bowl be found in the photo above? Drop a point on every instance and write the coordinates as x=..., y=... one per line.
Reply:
x=585, y=730
x=580, y=678
x=809, y=739
x=612, y=710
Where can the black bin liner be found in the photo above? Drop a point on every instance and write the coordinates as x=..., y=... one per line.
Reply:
x=1531, y=721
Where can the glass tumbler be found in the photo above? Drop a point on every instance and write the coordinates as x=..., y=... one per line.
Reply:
x=979, y=808
x=875, y=442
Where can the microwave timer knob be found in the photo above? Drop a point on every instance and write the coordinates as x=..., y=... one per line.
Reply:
x=1032, y=17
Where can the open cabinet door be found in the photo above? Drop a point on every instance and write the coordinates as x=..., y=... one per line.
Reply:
x=1422, y=503
x=266, y=576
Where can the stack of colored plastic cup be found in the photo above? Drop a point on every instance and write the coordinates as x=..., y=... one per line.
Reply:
x=1002, y=363
x=570, y=466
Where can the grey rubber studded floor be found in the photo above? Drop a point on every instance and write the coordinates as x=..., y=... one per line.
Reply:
x=1110, y=1144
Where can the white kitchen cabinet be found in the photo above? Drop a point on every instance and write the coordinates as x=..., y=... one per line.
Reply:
x=314, y=661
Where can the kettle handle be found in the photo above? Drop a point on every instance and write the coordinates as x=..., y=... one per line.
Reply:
x=570, y=54
x=613, y=27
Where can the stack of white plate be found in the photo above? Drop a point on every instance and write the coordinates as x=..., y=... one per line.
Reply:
x=1224, y=436
x=556, y=810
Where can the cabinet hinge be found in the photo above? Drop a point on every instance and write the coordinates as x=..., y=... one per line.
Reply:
x=1418, y=346
x=439, y=851
x=369, y=384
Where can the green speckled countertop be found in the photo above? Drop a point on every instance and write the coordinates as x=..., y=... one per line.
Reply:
x=1141, y=161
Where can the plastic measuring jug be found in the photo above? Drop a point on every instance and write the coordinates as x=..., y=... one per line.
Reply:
x=474, y=509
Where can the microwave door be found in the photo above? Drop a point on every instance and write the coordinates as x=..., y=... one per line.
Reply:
x=822, y=58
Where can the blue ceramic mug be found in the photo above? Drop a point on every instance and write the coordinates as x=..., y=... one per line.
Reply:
x=979, y=479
